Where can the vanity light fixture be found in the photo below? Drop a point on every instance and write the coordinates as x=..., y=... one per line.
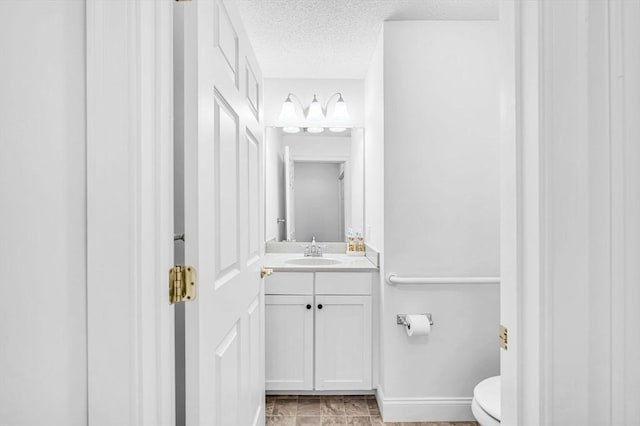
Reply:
x=340, y=112
x=288, y=113
x=315, y=111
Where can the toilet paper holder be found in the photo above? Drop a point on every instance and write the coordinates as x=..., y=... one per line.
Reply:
x=401, y=319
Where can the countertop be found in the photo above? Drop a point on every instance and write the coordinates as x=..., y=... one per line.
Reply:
x=277, y=262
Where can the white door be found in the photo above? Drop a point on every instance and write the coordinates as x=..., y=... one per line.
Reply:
x=343, y=342
x=289, y=342
x=224, y=215
x=289, y=195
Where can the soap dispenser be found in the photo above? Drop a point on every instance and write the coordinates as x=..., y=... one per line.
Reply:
x=360, y=243
x=351, y=243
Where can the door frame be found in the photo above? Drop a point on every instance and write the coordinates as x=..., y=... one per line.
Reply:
x=510, y=209
x=523, y=218
x=129, y=212
x=531, y=304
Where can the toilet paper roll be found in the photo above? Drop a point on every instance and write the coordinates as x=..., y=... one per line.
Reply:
x=417, y=325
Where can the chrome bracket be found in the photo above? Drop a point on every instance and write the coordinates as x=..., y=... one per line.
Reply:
x=401, y=319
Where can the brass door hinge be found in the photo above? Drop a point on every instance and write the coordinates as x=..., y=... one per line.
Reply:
x=182, y=284
x=504, y=337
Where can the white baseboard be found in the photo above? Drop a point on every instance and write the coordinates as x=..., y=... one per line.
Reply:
x=424, y=409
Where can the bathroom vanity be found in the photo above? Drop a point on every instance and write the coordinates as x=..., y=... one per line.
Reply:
x=318, y=307
x=318, y=323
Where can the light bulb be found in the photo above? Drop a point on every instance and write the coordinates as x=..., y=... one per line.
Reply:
x=337, y=129
x=340, y=112
x=315, y=110
x=315, y=129
x=288, y=113
x=291, y=129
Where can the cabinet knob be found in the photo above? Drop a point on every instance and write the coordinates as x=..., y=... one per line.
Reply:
x=320, y=306
x=308, y=306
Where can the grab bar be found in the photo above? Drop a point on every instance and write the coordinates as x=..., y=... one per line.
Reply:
x=392, y=279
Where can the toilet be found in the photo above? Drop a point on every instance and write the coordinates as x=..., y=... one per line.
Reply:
x=485, y=405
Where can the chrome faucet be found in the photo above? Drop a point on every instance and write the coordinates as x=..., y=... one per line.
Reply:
x=313, y=250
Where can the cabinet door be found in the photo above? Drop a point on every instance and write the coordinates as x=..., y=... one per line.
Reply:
x=343, y=342
x=289, y=342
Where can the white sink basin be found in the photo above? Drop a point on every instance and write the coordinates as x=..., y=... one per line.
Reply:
x=311, y=261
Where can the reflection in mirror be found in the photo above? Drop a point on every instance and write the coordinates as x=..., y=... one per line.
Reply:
x=314, y=185
x=319, y=198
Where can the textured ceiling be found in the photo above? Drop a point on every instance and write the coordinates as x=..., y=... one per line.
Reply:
x=336, y=38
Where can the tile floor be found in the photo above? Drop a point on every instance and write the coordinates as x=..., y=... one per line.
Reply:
x=351, y=410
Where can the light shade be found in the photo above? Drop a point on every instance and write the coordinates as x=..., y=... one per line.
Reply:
x=315, y=110
x=291, y=129
x=340, y=112
x=288, y=113
x=315, y=129
x=337, y=129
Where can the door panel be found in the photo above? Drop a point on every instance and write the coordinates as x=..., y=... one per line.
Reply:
x=224, y=216
x=227, y=209
x=227, y=372
x=255, y=357
x=253, y=90
x=254, y=173
x=227, y=41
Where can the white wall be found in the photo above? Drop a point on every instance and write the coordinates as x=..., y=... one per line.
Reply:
x=276, y=90
x=441, y=201
x=374, y=189
x=355, y=219
x=43, y=207
x=374, y=148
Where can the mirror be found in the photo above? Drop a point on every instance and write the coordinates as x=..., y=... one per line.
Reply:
x=314, y=184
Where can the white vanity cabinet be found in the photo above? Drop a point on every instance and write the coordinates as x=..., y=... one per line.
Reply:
x=343, y=343
x=289, y=342
x=289, y=312
x=318, y=331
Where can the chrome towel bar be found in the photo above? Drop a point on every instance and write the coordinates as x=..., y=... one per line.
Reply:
x=392, y=279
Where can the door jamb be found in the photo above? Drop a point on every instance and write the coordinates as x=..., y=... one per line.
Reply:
x=129, y=212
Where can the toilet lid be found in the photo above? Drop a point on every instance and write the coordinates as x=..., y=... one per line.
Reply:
x=487, y=395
